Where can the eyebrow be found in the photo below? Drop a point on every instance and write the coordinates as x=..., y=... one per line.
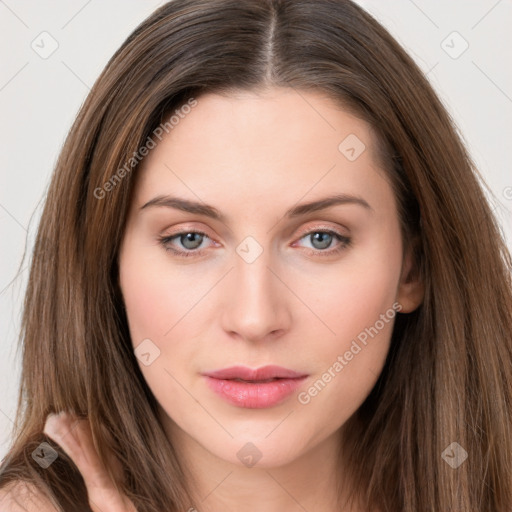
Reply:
x=207, y=210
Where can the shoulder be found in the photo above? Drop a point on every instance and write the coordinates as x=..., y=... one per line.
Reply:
x=22, y=496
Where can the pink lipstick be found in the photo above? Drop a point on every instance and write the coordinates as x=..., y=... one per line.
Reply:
x=254, y=388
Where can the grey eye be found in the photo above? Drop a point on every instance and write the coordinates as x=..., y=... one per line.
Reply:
x=321, y=239
x=191, y=240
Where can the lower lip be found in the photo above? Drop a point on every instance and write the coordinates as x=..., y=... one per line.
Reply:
x=254, y=395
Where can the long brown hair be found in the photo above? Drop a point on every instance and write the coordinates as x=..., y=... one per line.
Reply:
x=447, y=377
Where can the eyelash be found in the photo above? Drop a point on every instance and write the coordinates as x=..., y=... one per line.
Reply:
x=345, y=242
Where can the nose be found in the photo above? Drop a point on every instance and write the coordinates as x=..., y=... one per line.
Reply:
x=257, y=307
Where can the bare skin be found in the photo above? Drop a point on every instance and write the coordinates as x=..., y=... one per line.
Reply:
x=253, y=157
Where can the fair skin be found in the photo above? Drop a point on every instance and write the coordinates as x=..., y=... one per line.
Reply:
x=253, y=157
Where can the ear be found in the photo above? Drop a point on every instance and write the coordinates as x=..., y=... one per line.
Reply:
x=411, y=288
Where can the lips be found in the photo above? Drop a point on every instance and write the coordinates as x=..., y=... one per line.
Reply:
x=259, y=374
x=254, y=388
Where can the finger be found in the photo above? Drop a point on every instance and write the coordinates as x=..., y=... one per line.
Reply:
x=75, y=437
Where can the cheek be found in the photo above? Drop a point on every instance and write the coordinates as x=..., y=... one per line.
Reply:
x=157, y=300
x=359, y=309
x=163, y=305
x=156, y=296
x=352, y=297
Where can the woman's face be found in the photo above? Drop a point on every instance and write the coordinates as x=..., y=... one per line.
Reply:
x=270, y=280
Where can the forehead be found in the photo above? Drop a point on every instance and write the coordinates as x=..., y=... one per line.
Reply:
x=276, y=118
x=274, y=144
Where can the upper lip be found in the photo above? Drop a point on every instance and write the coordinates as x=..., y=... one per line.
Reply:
x=263, y=373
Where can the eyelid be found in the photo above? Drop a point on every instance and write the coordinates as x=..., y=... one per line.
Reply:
x=303, y=231
x=323, y=227
x=344, y=241
x=187, y=229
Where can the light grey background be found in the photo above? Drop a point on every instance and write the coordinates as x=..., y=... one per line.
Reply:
x=39, y=98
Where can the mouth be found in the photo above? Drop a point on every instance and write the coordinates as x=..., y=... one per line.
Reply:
x=256, y=375
x=256, y=381
x=254, y=388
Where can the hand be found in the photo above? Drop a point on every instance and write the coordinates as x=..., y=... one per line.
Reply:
x=75, y=438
